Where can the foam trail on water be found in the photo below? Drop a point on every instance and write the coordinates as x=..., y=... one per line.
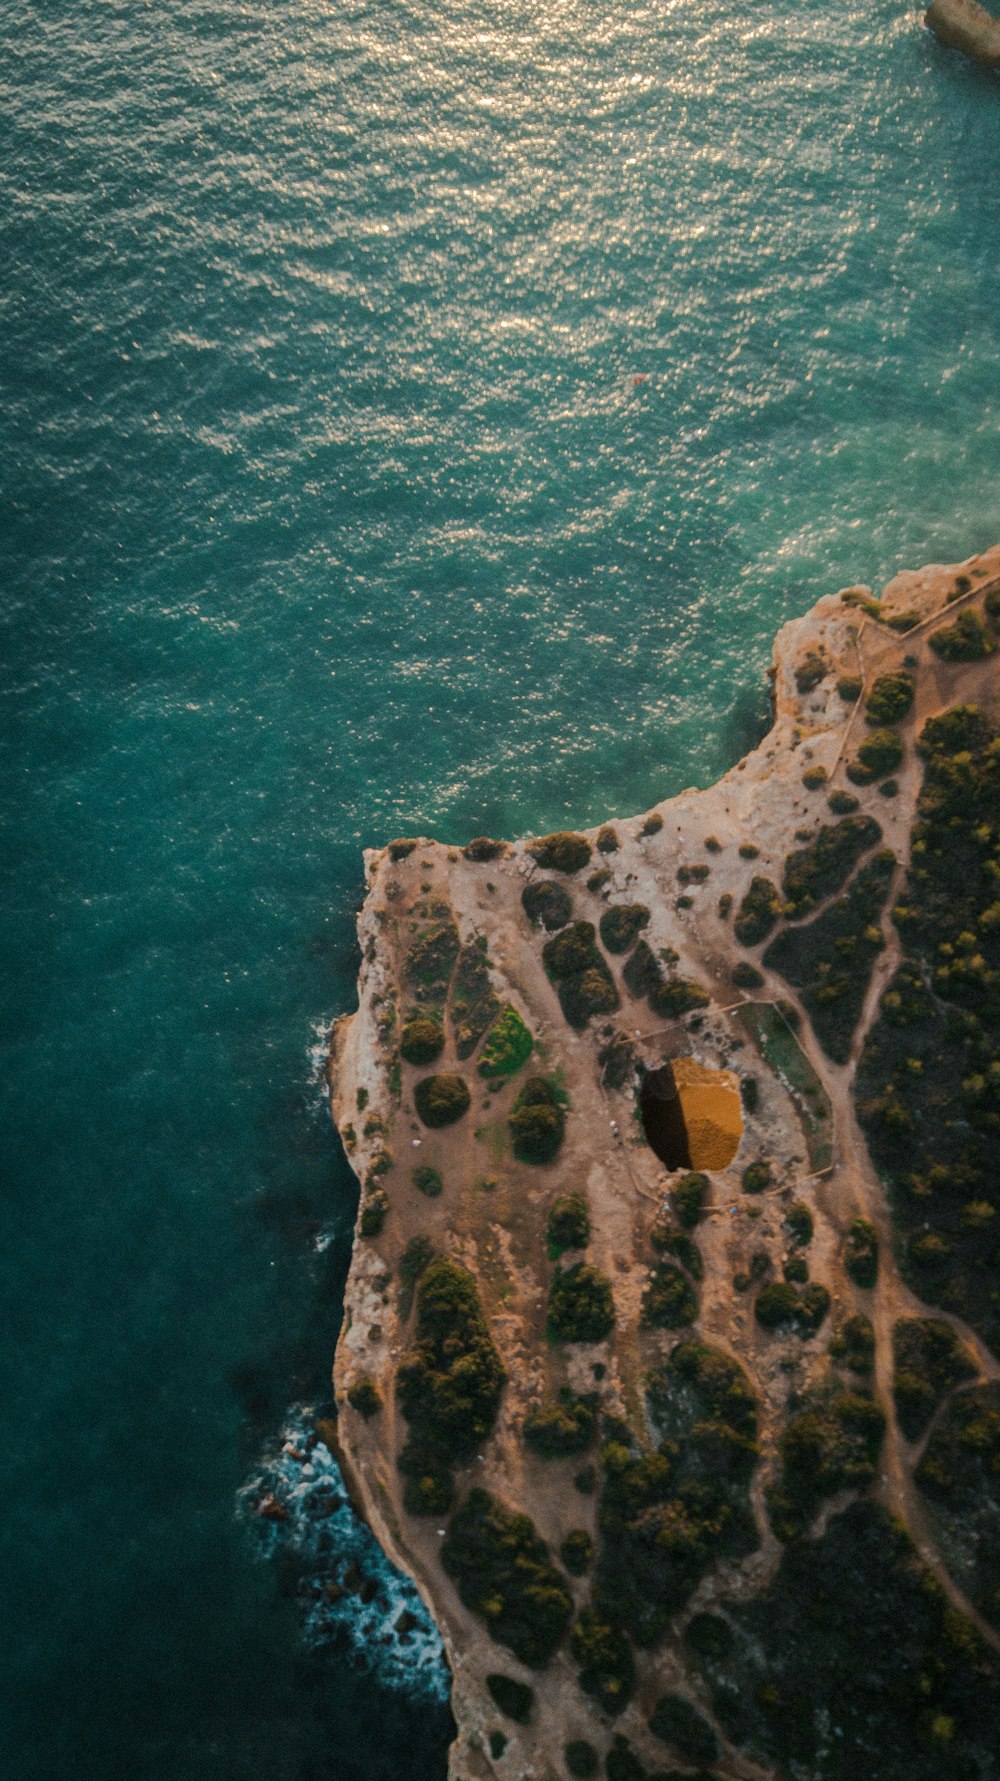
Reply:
x=348, y=1590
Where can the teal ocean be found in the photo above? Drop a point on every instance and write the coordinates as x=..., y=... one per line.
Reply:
x=332, y=509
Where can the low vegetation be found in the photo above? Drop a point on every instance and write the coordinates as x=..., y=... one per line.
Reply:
x=668, y=996
x=879, y=754
x=889, y=699
x=547, y=904
x=422, y=1039
x=502, y=1572
x=428, y=1180
x=929, y=1360
x=562, y=852
x=861, y=1252
x=568, y=1224
x=669, y=1301
x=430, y=959
x=448, y=1385
x=780, y=1305
x=967, y=640
x=821, y=868
x=581, y=974
x=621, y=924
x=830, y=960
x=508, y=1046
x=581, y=1306
x=959, y=1475
x=831, y=1442
x=607, y=1666
x=538, y=1121
x=442, y=1099
x=854, y=1345
x=565, y=1425
x=757, y=913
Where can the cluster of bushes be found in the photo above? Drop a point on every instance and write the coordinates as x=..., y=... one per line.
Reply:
x=799, y=1223
x=813, y=667
x=874, y=609
x=508, y=1045
x=575, y=964
x=929, y=1360
x=668, y=996
x=744, y=975
x=854, y=1344
x=967, y=640
x=879, y=754
x=428, y=1180
x=830, y=959
x=678, y=1723
x=568, y=1224
x=928, y=1084
x=448, y=1385
x=758, y=912
x=607, y=839
x=620, y=925
x=689, y=1195
x=861, y=1252
x=514, y=1699
x=483, y=848
x=607, y=1666
x=756, y=1176
x=502, y=1572
x=581, y=1306
x=547, y=904
x=832, y=1442
x=538, y=1121
x=842, y=803
x=422, y=1039
x=577, y=1552
x=430, y=959
x=820, y=869
x=373, y=1213
x=364, y=1397
x=782, y=1306
x=853, y=1632
x=441, y=1099
x=958, y=1474
x=664, y=1517
x=693, y=874
x=562, y=852
x=564, y=1426
x=889, y=699
x=669, y=1301
x=474, y=1002
x=418, y=1255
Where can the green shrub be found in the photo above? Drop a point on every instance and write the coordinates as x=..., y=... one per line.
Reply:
x=568, y=1224
x=652, y=825
x=812, y=668
x=748, y=850
x=514, y=1699
x=725, y=905
x=960, y=1467
x=693, y=874
x=713, y=844
x=607, y=1667
x=850, y=687
x=669, y=1301
x=577, y=1552
x=417, y=1256
x=617, y=1059
x=373, y=1214
x=482, y=848
x=814, y=777
x=677, y=996
x=502, y=1572
x=580, y=972
x=581, y=1307
x=547, y=904
x=585, y=1481
x=428, y=1180
x=831, y=1444
x=599, y=879
x=889, y=699
x=879, y=754
x=861, y=1253
x=678, y=1723
x=537, y=1122
x=709, y=1635
x=621, y=1762
x=689, y=1195
x=701, y=1384
x=564, y=1426
x=967, y=640
x=992, y=604
x=750, y=1093
x=422, y=1040
x=855, y=1344
x=799, y=1223
x=757, y=913
x=929, y=1360
x=668, y=1241
x=746, y=976
x=363, y=1396
x=508, y=1045
x=400, y=850
x=796, y=1269
x=607, y=840
x=842, y=803
x=440, y=1100
x=781, y=1305
x=448, y=1384
x=581, y=1759
x=757, y=1176
x=562, y=852
x=498, y=1744
x=821, y=868
x=621, y=923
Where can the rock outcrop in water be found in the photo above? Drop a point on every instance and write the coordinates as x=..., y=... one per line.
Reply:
x=640, y=1434
x=966, y=26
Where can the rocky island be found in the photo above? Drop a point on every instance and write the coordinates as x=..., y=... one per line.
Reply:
x=669, y=1362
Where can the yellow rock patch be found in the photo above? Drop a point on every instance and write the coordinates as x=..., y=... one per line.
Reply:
x=712, y=1117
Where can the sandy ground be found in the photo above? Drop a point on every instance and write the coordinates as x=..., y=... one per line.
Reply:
x=492, y=1212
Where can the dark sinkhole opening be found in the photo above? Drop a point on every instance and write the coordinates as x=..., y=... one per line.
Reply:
x=663, y=1118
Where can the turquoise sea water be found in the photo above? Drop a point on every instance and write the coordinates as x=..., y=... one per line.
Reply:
x=332, y=510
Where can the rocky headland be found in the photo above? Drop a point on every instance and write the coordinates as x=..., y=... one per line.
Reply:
x=669, y=1359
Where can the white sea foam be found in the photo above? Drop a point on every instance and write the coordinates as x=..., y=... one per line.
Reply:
x=341, y=1562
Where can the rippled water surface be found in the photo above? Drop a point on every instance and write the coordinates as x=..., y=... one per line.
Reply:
x=333, y=508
